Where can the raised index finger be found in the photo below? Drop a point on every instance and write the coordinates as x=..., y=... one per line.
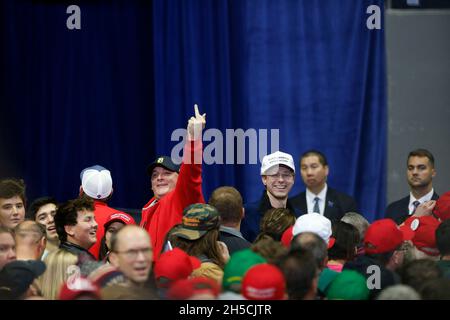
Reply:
x=197, y=114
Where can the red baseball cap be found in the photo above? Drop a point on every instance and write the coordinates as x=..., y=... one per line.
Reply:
x=442, y=208
x=73, y=289
x=186, y=288
x=287, y=236
x=119, y=217
x=422, y=232
x=264, y=282
x=175, y=265
x=382, y=236
x=331, y=242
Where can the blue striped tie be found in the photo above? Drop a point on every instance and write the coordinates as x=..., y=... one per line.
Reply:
x=415, y=204
x=316, y=205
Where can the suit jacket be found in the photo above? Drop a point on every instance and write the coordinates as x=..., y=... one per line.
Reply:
x=233, y=239
x=336, y=204
x=399, y=211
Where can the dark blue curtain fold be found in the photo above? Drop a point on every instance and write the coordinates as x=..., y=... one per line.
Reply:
x=113, y=92
x=77, y=98
x=308, y=68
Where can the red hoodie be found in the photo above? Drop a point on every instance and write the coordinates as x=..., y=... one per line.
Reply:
x=168, y=211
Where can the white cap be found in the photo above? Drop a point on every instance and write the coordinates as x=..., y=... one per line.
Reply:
x=276, y=159
x=96, y=182
x=313, y=222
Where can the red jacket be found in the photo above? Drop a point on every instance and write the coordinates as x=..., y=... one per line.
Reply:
x=102, y=213
x=168, y=211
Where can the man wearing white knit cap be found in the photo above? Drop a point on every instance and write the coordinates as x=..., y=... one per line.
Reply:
x=278, y=177
x=96, y=183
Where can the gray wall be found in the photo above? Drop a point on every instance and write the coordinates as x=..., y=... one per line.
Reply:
x=418, y=67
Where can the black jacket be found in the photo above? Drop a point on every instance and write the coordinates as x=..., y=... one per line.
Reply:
x=83, y=254
x=233, y=239
x=255, y=211
x=336, y=204
x=399, y=211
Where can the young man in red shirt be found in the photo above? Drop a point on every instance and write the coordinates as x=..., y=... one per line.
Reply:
x=174, y=187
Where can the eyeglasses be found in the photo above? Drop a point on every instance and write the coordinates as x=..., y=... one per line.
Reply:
x=285, y=176
x=133, y=253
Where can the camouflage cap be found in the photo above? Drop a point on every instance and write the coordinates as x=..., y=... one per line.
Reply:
x=197, y=219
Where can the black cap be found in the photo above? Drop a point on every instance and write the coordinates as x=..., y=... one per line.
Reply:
x=165, y=162
x=17, y=276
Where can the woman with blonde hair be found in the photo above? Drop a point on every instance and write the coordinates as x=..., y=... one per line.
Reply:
x=61, y=264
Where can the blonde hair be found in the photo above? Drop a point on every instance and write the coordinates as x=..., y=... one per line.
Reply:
x=58, y=263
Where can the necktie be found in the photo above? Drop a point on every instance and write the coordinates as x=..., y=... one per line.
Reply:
x=316, y=205
x=415, y=204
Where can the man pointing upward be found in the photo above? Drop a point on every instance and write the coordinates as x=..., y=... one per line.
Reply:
x=174, y=187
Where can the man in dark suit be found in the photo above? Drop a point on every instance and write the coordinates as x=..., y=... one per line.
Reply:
x=420, y=172
x=318, y=197
x=229, y=204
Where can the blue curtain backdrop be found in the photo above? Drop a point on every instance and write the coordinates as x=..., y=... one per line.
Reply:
x=113, y=92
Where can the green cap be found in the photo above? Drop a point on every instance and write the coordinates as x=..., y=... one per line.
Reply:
x=326, y=277
x=238, y=265
x=197, y=219
x=348, y=285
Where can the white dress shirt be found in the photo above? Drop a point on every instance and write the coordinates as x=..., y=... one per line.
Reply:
x=310, y=199
x=425, y=198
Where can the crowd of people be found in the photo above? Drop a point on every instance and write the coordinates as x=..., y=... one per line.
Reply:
x=314, y=245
